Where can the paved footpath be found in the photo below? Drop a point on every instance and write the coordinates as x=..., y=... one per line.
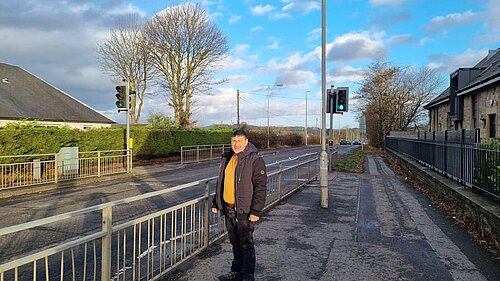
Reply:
x=376, y=228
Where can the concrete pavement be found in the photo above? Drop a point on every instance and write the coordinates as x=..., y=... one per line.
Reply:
x=376, y=228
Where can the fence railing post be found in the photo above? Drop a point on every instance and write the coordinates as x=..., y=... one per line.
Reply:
x=197, y=153
x=206, y=226
x=107, y=226
x=98, y=164
x=182, y=154
x=280, y=180
x=211, y=152
x=56, y=168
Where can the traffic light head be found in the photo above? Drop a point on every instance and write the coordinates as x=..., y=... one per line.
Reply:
x=330, y=142
x=121, y=93
x=342, y=99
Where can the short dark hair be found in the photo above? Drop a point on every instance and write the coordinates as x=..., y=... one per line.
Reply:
x=239, y=132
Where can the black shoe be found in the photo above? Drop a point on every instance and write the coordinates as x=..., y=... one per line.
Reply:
x=231, y=275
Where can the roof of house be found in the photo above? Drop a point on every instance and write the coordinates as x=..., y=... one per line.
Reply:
x=491, y=69
x=25, y=96
x=490, y=73
x=441, y=98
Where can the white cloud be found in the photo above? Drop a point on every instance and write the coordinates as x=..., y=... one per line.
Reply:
x=386, y=2
x=493, y=18
x=400, y=39
x=241, y=48
x=314, y=35
x=447, y=64
x=345, y=74
x=256, y=28
x=357, y=46
x=302, y=6
x=275, y=43
x=260, y=10
x=443, y=23
x=280, y=16
x=234, y=18
x=235, y=63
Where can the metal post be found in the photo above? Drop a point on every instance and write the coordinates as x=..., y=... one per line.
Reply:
x=280, y=178
x=98, y=164
x=306, y=116
x=197, y=153
x=268, y=97
x=323, y=158
x=56, y=168
x=206, y=225
x=127, y=112
x=238, y=107
x=107, y=226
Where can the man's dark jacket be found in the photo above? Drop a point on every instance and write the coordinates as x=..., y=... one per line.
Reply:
x=250, y=182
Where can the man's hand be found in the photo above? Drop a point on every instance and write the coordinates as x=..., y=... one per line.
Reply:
x=253, y=218
x=214, y=210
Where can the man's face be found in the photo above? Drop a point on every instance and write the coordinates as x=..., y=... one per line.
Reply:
x=238, y=143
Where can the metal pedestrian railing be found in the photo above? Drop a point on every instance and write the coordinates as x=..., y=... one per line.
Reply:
x=197, y=153
x=27, y=170
x=467, y=163
x=113, y=244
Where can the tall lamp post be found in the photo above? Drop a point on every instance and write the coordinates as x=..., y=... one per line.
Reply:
x=268, y=109
x=323, y=167
x=306, y=116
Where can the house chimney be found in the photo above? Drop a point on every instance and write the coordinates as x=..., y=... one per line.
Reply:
x=491, y=53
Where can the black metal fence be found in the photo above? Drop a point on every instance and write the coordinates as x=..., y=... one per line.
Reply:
x=470, y=164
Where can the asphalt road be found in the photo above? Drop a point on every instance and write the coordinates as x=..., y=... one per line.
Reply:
x=146, y=179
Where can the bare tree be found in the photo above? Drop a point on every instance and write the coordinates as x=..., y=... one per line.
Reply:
x=186, y=47
x=124, y=56
x=393, y=96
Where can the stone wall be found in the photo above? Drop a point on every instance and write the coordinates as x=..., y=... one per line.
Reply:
x=476, y=210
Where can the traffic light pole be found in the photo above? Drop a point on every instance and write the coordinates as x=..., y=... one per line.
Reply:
x=323, y=166
x=127, y=114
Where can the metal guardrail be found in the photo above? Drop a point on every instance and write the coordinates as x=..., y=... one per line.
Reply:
x=142, y=248
x=197, y=153
x=27, y=170
x=466, y=163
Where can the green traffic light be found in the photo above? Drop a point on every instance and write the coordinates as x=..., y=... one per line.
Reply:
x=340, y=107
x=120, y=104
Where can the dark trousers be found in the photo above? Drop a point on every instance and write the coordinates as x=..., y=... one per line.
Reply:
x=240, y=234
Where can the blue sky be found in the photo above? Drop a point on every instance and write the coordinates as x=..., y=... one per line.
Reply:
x=271, y=42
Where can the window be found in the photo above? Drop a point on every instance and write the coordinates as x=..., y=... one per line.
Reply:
x=475, y=111
x=493, y=125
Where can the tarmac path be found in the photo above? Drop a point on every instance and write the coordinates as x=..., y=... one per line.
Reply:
x=377, y=227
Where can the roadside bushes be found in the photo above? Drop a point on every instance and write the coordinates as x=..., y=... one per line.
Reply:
x=487, y=175
x=148, y=142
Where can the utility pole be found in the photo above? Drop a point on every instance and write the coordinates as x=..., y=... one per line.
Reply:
x=238, y=107
x=306, y=117
x=323, y=166
x=268, y=109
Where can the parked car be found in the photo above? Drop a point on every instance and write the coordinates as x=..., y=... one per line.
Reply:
x=356, y=142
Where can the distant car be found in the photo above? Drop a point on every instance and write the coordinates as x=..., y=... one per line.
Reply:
x=356, y=142
x=345, y=142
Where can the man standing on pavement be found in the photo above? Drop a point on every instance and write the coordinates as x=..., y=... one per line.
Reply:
x=240, y=196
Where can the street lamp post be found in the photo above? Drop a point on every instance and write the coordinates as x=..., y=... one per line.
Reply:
x=268, y=109
x=323, y=169
x=306, y=116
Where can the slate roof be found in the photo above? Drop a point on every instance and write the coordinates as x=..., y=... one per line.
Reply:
x=490, y=73
x=24, y=96
x=441, y=98
x=491, y=65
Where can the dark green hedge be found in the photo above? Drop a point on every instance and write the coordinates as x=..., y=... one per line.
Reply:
x=32, y=139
